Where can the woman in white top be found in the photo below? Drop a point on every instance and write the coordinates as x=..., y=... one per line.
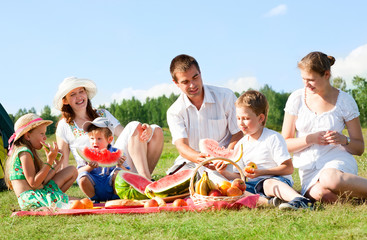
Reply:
x=314, y=119
x=142, y=144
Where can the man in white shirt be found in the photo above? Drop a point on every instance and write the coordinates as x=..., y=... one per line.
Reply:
x=201, y=111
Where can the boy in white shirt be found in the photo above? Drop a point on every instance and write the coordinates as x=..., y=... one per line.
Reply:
x=268, y=150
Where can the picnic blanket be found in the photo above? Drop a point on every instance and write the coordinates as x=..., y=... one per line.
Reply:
x=249, y=202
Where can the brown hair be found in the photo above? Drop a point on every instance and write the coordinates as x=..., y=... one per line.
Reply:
x=68, y=113
x=182, y=63
x=10, y=160
x=317, y=62
x=256, y=101
x=92, y=129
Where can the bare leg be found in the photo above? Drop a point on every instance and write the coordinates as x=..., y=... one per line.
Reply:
x=333, y=183
x=65, y=177
x=155, y=147
x=138, y=152
x=275, y=188
x=87, y=187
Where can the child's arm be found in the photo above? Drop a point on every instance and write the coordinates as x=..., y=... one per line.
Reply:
x=89, y=167
x=285, y=168
x=35, y=179
x=221, y=167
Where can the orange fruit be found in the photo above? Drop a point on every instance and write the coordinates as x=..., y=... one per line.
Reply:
x=234, y=191
x=223, y=187
x=77, y=204
x=88, y=204
x=179, y=203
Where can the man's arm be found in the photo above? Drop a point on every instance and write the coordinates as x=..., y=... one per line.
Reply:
x=187, y=152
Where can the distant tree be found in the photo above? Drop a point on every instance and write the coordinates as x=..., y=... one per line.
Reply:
x=276, y=107
x=46, y=115
x=359, y=93
x=339, y=83
x=23, y=111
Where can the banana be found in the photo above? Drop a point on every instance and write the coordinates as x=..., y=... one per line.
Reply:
x=212, y=185
x=204, y=187
x=197, y=186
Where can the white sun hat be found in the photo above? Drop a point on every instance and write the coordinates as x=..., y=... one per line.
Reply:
x=71, y=83
x=99, y=122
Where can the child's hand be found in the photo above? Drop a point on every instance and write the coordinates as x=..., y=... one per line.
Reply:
x=51, y=152
x=93, y=164
x=255, y=173
x=121, y=161
x=220, y=166
x=145, y=132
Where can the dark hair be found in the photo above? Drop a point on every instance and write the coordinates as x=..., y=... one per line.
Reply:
x=256, y=101
x=317, y=62
x=182, y=63
x=69, y=115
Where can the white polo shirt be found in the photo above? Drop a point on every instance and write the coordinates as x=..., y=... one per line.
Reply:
x=216, y=119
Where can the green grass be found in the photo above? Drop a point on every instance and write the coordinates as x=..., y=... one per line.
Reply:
x=334, y=221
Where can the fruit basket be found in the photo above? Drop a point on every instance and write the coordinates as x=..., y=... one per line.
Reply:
x=199, y=199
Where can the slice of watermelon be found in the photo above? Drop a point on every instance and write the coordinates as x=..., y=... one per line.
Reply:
x=212, y=148
x=170, y=185
x=104, y=157
x=130, y=185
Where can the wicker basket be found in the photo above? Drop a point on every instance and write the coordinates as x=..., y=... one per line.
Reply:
x=199, y=199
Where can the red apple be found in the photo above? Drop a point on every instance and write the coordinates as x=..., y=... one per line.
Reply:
x=179, y=203
x=238, y=182
x=151, y=203
x=215, y=193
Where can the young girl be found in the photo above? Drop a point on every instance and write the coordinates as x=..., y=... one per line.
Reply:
x=318, y=114
x=36, y=183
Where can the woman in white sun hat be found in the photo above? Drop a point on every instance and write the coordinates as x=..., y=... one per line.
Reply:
x=142, y=144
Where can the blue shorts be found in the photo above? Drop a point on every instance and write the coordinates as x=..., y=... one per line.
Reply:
x=257, y=187
x=102, y=184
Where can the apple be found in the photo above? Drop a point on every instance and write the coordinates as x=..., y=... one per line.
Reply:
x=215, y=193
x=238, y=182
x=151, y=203
x=179, y=203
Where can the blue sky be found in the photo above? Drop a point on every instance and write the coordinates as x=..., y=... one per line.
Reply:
x=126, y=46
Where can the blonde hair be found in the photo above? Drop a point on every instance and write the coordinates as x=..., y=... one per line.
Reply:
x=256, y=101
x=317, y=62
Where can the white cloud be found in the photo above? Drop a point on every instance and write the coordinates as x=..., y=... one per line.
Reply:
x=242, y=84
x=353, y=64
x=278, y=10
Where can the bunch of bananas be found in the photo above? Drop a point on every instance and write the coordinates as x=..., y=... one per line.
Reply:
x=205, y=185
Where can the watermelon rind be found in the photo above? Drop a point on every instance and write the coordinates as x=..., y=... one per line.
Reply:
x=101, y=162
x=127, y=185
x=170, y=185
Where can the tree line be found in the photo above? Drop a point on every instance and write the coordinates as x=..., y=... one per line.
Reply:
x=154, y=110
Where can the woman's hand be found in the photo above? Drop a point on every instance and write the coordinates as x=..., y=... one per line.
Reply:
x=333, y=137
x=317, y=138
x=145, y=132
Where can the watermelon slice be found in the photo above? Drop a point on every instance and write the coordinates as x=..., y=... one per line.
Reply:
x=170, y=185
x=104, y=157
x=212, y=148
x=59, y=154
x=130, y=185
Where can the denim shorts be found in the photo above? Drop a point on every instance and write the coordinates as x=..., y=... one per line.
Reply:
x=102, y=185
x=257, y=187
